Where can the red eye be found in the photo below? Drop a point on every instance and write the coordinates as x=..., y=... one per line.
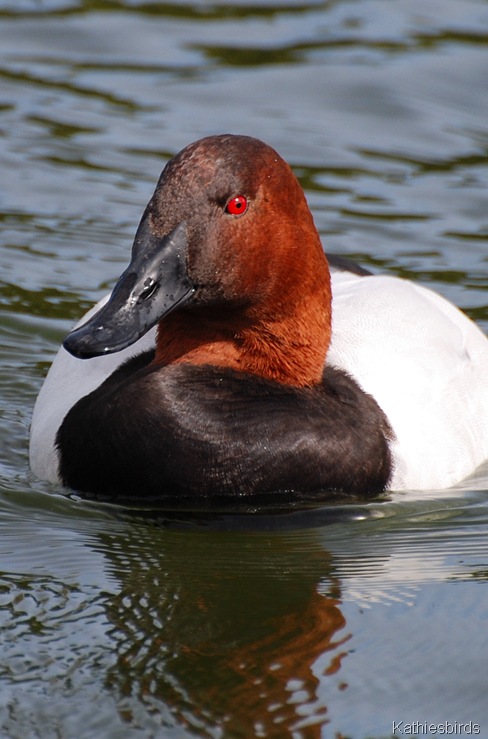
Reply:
x=236, y=206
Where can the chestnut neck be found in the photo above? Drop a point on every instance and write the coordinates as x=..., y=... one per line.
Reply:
x=285, y=340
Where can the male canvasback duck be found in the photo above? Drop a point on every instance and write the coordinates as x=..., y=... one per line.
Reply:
x=221, y=366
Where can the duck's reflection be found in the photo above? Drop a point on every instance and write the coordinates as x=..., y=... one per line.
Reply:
x=224, y=633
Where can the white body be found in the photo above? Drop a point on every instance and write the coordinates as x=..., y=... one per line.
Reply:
x=421, y=358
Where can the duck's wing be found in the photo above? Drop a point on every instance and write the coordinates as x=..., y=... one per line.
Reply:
x=426, y=364
x=68, y=380
x=338, y=263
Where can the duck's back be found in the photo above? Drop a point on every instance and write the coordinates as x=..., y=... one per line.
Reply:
x=423, y=360
x=426, y=364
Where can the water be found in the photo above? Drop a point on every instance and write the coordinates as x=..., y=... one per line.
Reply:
x=329, y=623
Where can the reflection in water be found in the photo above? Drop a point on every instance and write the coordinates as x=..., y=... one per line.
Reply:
x=226, y=633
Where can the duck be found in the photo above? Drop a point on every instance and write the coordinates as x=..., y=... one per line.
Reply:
x=234, y=359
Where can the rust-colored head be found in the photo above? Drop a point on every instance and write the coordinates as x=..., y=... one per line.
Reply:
x=262, y=300
x=249, y=281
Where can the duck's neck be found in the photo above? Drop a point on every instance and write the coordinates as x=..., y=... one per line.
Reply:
x=287, y=344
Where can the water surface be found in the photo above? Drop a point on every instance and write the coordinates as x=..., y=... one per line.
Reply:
x=323, y=623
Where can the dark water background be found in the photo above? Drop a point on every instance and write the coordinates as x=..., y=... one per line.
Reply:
x=322, y=624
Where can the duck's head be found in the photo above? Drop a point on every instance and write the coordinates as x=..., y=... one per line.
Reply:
x=228, y=261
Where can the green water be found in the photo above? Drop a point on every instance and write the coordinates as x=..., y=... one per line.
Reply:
x=327, y=623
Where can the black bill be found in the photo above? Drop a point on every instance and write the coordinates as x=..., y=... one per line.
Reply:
x=155, y=283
